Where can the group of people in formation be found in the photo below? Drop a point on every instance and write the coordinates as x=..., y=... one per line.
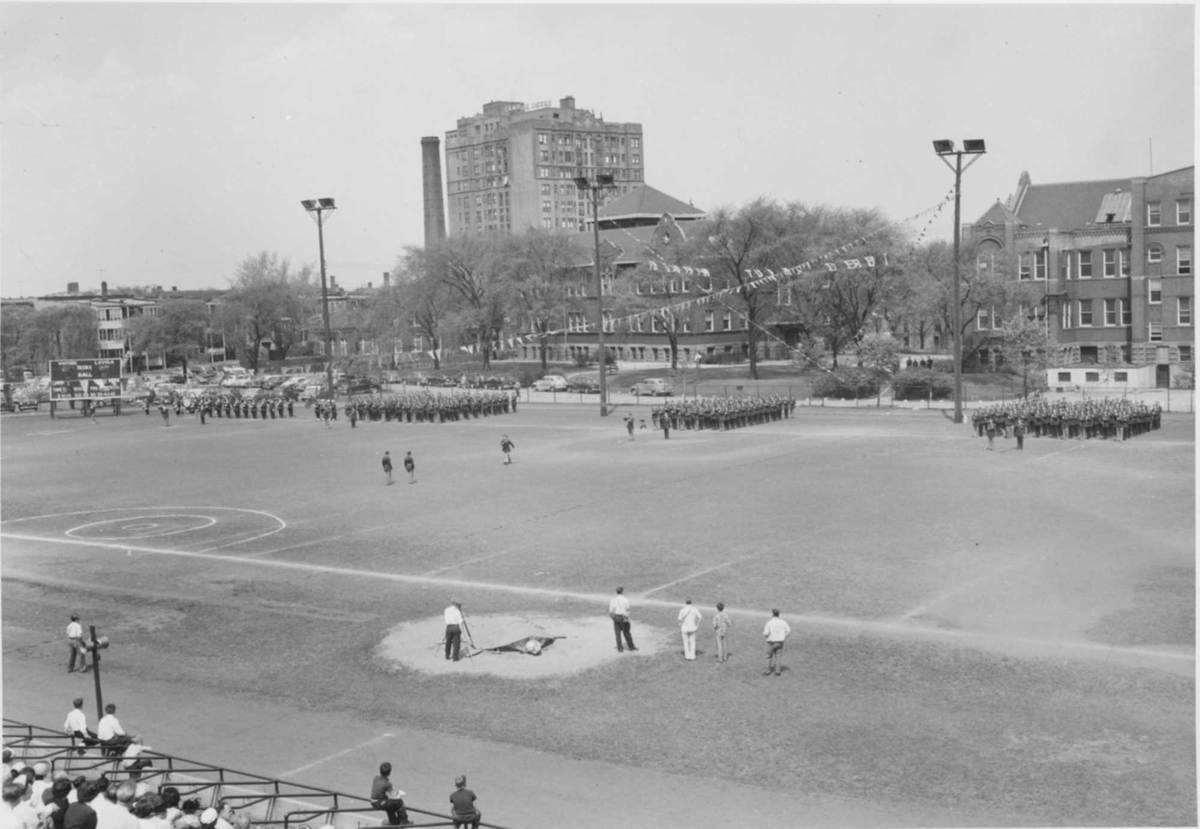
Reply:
x=224, y=404
x=722, y=412
x=1104, y=418
x=428, y=407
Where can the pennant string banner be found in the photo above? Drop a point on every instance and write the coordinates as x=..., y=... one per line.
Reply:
x=827, y=263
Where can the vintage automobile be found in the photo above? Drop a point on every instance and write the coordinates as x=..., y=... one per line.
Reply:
x=652, y=387
x=551, y=382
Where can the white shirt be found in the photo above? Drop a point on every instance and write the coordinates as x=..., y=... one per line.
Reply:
x=109, y=727
x=689, y=618
x=776, y=630
x=111, y=815
x=74, y=631
x=131, y=753
x=453, y=615
x=619, y=606
x=76, y=721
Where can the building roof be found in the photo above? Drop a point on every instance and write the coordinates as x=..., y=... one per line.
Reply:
x=646, y=202
x=1065, y=206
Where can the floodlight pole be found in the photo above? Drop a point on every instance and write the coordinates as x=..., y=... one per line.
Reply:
x=94, y=647
x=945, y=148
x=318, y=207
x=602, y=182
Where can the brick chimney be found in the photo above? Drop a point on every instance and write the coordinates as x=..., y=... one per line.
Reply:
x=104, y=290
x=387, y=278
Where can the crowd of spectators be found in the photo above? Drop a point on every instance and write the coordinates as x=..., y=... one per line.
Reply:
x=36, y=796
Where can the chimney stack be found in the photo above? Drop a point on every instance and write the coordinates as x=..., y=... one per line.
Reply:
x=104, y=290
x=431, y=180
x=387, y=278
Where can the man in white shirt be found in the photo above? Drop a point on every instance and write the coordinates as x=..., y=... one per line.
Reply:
x=689, y=623
x=454, y=622
x=76, y=643
x=15, y=812
x=132, y=758
x=775, y=632
x=618, y=610
x=113, y=739
x=111, y=811
x=76, y=725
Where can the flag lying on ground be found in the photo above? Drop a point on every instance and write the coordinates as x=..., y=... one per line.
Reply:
x=532, y=645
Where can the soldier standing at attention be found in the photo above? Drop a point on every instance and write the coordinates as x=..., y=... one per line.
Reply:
x=387, y=467
x=410, y=466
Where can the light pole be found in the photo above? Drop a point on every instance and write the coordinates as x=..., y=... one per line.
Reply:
x=1046, y=298
x=318, y=208
x=945, y=148
x=603, y=181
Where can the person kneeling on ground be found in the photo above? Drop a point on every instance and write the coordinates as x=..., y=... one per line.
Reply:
x=463, y=801
x=387, y=797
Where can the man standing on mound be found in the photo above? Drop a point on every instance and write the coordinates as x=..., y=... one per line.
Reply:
x=618, y=609
x=454, y=622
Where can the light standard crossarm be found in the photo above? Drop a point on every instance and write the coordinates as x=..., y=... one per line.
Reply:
x=603, y=181
x=944, y=148
x=318, y=208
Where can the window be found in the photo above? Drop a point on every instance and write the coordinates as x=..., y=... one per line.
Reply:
x=1123, y=256
x=1154, y=291
x=1065, y=321
x=1039, y=265
x=1085, y=312
x=1126, y=316
x=1154, y=332
x=1183, y=260
x=1064, y=377
x=1085, y=264
x=1111, y=312
x=543, y=138
x=1089, y=354
x=1154, y=254
x=1121, y=376
x=1154, y=213
x=1185, y=353
x=1091, y=377
x=1110, y=263
x=1183, y=212
x=710, y=321
x=727, y=321
x=1185, y=310
x=1024, y=272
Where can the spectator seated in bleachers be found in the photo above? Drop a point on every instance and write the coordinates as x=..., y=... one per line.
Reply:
x=133, y=761
x=111, y=735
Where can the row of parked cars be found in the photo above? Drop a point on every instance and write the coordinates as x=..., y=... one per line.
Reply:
x=586, y=384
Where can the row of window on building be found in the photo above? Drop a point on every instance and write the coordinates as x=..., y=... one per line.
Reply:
x=1080, y=264
x=1183, y=212
x=654, y=324
x=1103, y=312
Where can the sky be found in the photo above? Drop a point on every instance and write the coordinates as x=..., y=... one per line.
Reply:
x=163, y=144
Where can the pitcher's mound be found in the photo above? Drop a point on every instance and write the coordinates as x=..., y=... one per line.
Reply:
x=584, y=643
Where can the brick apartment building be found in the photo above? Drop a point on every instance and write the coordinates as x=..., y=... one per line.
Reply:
x=1108, y=268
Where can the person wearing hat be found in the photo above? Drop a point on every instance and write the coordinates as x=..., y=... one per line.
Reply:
x=454, y=622
x=410, y=466
x=111, y=811
x=387, y=466
x=387, y=797
x=462, y=802
x=17, y=813
x=77, y=645
x=76, y=725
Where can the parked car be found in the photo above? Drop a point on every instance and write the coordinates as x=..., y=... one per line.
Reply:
x=652, y=387
x=551, y=382
x=584, y=385
x=358, y=385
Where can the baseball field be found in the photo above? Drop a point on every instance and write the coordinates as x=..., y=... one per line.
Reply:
x=979, y=638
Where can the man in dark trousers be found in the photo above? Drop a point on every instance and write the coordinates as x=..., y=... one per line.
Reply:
x=410, y=466
x=462, y=802
x=387, y=467
x=506, y=446
x=387, y=797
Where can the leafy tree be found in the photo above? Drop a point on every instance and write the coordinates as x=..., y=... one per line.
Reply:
x=267, y=301
x=1028, y=348
x=16, y=337
x=467, y=265
x=762, y=235
x=660, y=294
x=177, y=330
x=533, y=267
x=423, y=298
x=66, y=332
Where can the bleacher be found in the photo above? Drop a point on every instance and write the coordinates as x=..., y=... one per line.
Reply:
x=269, y=802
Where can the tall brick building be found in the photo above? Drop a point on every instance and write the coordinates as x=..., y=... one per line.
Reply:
x=1108, y=266
x=512, y=166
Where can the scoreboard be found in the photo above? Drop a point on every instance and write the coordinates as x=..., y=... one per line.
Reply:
x=94, y=379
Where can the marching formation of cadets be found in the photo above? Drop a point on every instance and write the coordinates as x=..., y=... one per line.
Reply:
x=427, y=407
x=226, y=404
x=722, y=412
x=1106, y=418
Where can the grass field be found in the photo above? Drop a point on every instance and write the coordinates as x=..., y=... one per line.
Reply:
x=979, y=638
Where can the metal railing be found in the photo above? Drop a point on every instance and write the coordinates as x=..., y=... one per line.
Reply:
x=269, y=801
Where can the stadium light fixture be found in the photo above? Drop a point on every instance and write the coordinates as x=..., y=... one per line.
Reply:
x=603, y=181
x=318, y=207
x=944, y=148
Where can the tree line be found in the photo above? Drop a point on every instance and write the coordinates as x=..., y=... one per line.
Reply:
x=476, y=291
